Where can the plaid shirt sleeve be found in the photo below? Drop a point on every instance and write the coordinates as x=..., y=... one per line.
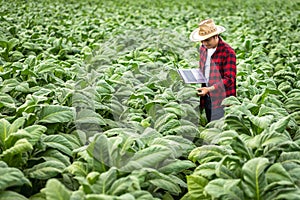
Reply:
x=222, y=73
x=227, y=68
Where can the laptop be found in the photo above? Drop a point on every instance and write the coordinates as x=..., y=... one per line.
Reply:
x=192, y=75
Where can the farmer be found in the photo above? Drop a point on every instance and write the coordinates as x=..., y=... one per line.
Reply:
x=218, y=64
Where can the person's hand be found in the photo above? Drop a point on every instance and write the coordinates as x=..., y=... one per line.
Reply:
x=204, y=90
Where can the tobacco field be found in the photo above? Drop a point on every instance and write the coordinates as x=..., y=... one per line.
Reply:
x=92, y=107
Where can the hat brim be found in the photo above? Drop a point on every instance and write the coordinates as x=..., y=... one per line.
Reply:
x=195, y=37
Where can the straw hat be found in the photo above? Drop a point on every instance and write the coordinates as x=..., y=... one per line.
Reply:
x=207, y=29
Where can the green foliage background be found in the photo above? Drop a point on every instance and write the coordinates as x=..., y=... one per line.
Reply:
x=92, y=106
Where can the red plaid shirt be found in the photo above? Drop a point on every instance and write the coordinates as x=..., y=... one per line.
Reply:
x=222, y=73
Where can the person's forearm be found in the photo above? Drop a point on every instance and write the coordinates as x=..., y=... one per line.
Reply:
x=211, y=88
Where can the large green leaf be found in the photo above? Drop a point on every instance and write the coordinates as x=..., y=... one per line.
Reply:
x=261, y=122
x=86, y=116
x=77, y=195
x=170, y=183
x=254, y=180
x=230, y=101
x=163, y=119
x=11, y=177
x=35, y=131
x=176, y=108
x=166, y=185
x=192, y=113
x=84, y=99
x=104, y=88
x=17, y=124
x=169, y=126
x=124, y=185
x=241, y=149
x=278, y=189
x=291, y=163
x=186, y=93
x=171, y=144
x=105, y=181
x=148, y=157
x=99, y=150
x=148, y=135
x=206, y=170
x=55, y=190
x=291, y=156
x=56, y=114
x=32, y=102
x=78, y=168
x=116, y=107
x=186, y=145
x=46, y=67
x=7, y=86
x=187, y=131
x=210, y=135
x=277, y=173
x=4, y=132
x=21, y=146
x=196, y=185
x=38, y=196
x=229, y=167
x=53, y=154
x=74, y=138
x=280, y=125
x=208, y=153
x=176, y=166
x=23, y=87
x=7, y=101
x=121, y=147
x=237, y=143
x=58, y=142
x=45, y=170
x=225, y=189
x=273, y=138
x=288, y=194
x=235, y=122
x=10, y=195
x=31, y=133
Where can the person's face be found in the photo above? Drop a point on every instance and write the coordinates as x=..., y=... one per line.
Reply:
x=211, y=42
